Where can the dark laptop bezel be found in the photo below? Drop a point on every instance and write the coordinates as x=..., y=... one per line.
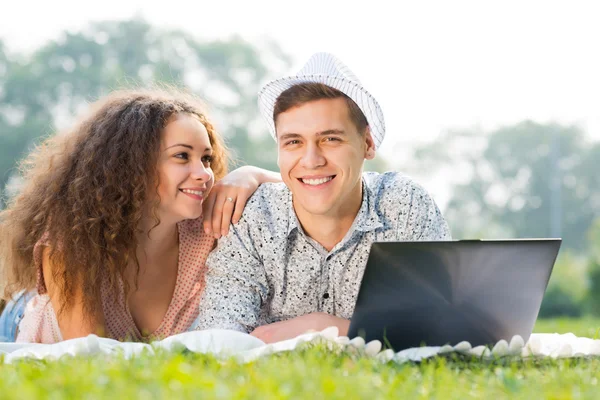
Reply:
x=375, y=310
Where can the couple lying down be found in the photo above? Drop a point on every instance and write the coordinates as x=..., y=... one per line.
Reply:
x=129, y=227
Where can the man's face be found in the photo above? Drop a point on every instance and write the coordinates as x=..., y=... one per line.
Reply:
x=321, y=156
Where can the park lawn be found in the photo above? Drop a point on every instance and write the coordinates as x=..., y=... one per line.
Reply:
x=586, y=327
x=312, y=372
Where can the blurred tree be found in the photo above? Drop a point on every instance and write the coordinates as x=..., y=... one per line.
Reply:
x=42, y=92
x=593, y=296
x=569, y=287
x=593, y=238
x=526, y=180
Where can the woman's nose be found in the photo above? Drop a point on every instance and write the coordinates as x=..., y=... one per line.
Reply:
x=201, y=173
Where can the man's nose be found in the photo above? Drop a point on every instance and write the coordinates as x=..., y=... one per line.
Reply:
x=313, y=157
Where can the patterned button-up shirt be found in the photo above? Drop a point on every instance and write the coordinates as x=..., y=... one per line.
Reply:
x=267, y=269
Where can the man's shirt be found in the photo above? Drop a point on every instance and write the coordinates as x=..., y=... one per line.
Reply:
x=267, y=269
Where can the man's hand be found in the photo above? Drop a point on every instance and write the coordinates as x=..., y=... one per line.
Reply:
x=289, y=329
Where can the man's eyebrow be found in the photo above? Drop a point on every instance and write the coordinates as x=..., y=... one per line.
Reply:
x=331, y=132
x=322, y=133
x=289, y=136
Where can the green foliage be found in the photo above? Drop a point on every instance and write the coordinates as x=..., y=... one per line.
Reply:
x=43, y=91
x=593, y=298
x=314, y=372
x=568, y=287
x=525, y=180
x=574, y=288
x=557, y=302
x=593, y=240
x=583, y=327
x=377, y=164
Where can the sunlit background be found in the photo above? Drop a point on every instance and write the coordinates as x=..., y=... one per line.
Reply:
x=492, y=106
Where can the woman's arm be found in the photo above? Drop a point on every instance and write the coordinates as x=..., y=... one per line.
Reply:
x=227, y=199
x=73, y=322
x=264, y=175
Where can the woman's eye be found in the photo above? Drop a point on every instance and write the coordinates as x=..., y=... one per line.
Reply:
x=207, y=159
x=183, y=156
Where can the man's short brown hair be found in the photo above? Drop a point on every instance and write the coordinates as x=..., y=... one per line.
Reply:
x=303, y=93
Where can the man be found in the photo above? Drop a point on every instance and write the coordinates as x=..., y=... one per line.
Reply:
x=295, y=260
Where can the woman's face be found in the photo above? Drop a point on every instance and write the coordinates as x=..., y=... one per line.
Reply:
x=184, y=170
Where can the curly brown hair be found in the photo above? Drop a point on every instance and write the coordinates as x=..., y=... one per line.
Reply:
x=87, y=190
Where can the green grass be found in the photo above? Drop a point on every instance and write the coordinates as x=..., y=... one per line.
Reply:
x=588, y=327
x=309, y=373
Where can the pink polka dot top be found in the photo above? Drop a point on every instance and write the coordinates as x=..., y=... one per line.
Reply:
x=39, y=324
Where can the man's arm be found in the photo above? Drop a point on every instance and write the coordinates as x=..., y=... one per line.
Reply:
x=291, y=328
x=425, y=221
x=236, y=284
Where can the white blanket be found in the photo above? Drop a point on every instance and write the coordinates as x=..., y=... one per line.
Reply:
x=224, y=343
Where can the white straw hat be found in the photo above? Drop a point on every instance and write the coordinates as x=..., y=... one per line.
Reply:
x=325, y=68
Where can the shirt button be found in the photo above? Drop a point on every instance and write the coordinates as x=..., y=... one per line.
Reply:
x=326, y=296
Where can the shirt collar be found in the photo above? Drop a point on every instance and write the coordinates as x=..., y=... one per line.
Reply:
x=366, y=220
x=293, y=222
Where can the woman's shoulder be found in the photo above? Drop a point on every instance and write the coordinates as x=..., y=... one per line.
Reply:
x=38, y=256
x=39, y=323
x=193, y=238
x=191, y=226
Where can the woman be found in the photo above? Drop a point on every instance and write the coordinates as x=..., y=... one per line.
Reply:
x=108, y=227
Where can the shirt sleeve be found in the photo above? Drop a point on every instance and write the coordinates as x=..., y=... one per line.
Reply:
x=236, y=284
x=425, y=221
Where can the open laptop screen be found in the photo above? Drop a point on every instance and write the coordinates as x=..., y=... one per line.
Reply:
x=436, y=293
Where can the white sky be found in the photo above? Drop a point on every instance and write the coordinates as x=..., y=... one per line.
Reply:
x=433, y=65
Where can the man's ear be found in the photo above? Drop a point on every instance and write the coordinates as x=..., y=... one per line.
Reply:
x=369, y=145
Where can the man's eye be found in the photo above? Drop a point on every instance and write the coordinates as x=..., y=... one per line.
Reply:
x=332, y=139
x=292, y=142
x=183, y=156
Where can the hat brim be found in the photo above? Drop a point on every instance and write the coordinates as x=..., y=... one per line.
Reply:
x=365, y=101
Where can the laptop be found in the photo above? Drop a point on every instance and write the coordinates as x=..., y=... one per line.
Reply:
x=436, y=293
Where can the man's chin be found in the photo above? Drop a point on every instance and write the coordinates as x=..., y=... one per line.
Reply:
x=317, y=209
